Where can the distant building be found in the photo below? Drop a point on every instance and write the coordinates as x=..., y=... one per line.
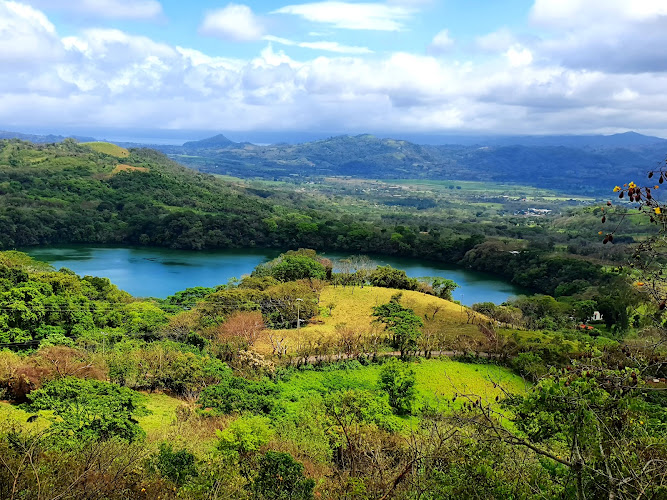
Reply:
x=596, y=316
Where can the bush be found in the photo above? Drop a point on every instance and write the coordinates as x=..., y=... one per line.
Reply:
x=177, y=466
x=296, y=267
x=245, y=435
x=236, y=394
x=388, y=277
x=281, y=477
x=90, y=409
x=397, y=379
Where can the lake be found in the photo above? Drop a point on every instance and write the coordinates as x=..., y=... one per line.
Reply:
x=159, y=272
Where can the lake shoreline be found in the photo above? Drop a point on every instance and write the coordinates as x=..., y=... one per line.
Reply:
x=159, y=272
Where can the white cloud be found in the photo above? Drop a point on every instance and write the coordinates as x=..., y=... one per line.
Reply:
x=111, y=9
x=582, y=13
x=27, y=37
x=321, y=45
x=441, y=42
x=613, y=35
x=353, y=16
x=519, y=56
x=233, y=22
x=104, y=76
x=496, y=41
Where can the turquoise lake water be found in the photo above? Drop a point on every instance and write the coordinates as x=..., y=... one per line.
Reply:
x=159, y=272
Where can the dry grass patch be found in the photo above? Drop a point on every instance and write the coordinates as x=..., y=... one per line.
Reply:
x=108, y=149
x=354, y=306
x=128, y=168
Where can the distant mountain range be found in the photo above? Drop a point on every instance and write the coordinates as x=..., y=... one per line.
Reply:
x=41, y=139
x=575, y=164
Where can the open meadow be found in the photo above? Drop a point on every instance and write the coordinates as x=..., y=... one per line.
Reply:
x=345, y=308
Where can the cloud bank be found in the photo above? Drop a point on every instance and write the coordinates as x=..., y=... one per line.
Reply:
x=108, y=77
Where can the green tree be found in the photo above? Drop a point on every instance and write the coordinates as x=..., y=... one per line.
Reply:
x=297, y=267
x=245, y=435
x=177, y=466
x=444, y=287
x=403, y=323
x=604, y=429
x=236, y=394
x=388, y=277
x=397, y=379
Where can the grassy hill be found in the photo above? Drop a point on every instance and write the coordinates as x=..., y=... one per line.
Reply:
x=352, y=307
x=108, y=149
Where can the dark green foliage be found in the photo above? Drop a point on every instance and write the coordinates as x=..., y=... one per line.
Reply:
x=293, y=268
x=388, y=277
x=281, y=304
x=90, y=409
x=362, y=406
x=238, y=395
x=397, y=379
x=177, y=466
x=188, y=298
x=280, y=477
x=604, y=420
x=165, y=365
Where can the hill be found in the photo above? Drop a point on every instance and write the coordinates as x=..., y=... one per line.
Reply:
x=571, y=164
x=69, y=193
x=218, y=141
x=41, y=139
x=108, y=149
x=352, y=308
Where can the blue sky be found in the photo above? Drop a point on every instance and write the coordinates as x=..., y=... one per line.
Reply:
x=395, y=66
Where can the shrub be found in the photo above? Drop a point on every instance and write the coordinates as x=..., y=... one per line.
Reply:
x=397, y=379
x=177, y=466
x=236, y=394
x=281, y=477
x=90, y=409
x=245, y=435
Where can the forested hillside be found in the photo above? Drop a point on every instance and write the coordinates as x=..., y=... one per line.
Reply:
x=578, y=168
x=100, y=193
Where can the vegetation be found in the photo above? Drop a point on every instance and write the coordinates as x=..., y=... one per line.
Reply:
x=371, y=157
x=314, y=379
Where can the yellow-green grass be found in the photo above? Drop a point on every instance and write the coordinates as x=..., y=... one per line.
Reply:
x=11, y=415
x=128, y=168
x=198, y=434
x=354, y=307
x=163, y=412
x=437, y=380
x=108, y=149
x=161, y=406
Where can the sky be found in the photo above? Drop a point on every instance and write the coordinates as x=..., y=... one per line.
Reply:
x=393, y=67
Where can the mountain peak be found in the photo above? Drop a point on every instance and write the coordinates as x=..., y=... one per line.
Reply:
x=217, y=141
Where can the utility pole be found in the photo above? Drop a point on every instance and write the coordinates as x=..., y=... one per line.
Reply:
x=298, y=317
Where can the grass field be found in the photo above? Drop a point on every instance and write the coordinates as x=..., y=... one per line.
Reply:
x=108, y=149
x=128, y=168
x=436, y=379
x=491, y=189
x=353, y=307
